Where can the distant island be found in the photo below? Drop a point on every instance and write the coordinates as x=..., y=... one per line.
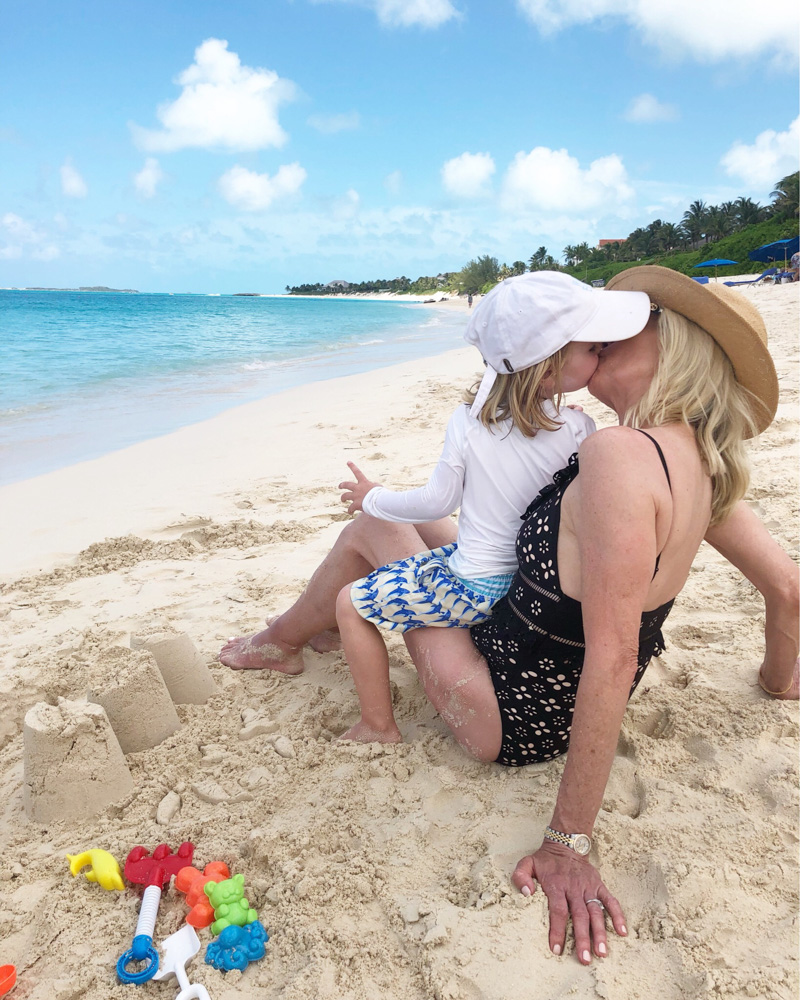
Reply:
x=83, y=288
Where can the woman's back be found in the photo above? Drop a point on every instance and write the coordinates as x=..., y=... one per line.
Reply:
x=671, y=515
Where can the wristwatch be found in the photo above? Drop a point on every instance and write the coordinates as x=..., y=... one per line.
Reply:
x=577, y=842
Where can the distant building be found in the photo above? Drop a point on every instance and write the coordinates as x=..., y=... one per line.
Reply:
x=338, y=283
x=605, y=243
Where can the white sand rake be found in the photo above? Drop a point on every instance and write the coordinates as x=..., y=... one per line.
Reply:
x=178, y=949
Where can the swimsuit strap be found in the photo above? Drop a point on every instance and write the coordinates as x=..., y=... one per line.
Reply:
x=660, y=455
x=666, y=473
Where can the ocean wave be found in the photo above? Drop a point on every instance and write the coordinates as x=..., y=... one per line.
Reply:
x=368, y=343
x=258, y=366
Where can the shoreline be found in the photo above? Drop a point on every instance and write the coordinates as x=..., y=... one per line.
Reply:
x=89, y=418
x=142, y=487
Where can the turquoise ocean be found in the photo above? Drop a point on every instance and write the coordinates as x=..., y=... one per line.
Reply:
x=86, y=373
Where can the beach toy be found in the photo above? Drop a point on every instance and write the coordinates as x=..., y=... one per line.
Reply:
x=8, y=976
x=104, y=868
x=230, y=905
x=192, y=882
x=236, y=946
x=154, y=872
x=180, y=948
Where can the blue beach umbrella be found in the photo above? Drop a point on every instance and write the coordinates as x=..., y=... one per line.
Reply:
x=775, y=251
x=715, y=263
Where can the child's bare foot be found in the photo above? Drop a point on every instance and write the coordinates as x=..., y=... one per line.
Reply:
x=362, y=733
x=262, y=652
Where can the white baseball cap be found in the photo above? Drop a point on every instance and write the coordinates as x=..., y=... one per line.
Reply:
x=526, y=319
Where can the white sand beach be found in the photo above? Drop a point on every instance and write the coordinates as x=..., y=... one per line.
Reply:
x=378, y=871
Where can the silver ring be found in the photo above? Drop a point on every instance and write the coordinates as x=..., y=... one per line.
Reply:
x=593, y=900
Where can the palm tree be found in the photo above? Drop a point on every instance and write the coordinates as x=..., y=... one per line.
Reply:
x=748, y=212
x=570, y=254
x=786, y=195
x=582, y=252
x=671, y=236
x=719, y=223
x=694, y=221
x=536, y=263
x=518, y=267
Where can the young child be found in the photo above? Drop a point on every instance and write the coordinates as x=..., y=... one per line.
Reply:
x=539, y=334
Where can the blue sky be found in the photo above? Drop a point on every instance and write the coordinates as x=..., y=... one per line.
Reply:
x=179, y=146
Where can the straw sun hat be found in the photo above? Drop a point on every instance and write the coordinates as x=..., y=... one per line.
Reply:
x=728, y=316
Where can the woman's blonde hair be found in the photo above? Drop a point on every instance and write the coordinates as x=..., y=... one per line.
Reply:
x=694, y=384
x=519, y=397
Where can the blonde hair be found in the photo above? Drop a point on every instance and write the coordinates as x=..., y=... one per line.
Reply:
x=519, y=397
x=695, y=384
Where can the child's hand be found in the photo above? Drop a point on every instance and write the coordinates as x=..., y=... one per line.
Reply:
x=356, y=491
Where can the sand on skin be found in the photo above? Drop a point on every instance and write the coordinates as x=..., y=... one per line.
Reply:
x=381, y=871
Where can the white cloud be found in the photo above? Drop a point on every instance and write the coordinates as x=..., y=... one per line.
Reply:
x=254, y=192
x=329, y=124
x=49, y=252
x=772, y=156
x=407, y=13
x=348, y=206
x=552, y=180
x=24, y=236
x=148, y=178
x=72, y=184
x=710, y=31
x=468, y=175
x=645, y=109
x=393, y=182
x=223, y=105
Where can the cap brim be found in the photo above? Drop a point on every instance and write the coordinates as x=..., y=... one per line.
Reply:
x=617, y=317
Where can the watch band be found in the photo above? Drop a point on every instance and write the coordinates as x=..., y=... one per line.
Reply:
x=577, y=842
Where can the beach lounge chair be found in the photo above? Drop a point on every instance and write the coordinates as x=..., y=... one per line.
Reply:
x=702, y=280
x=754, y=281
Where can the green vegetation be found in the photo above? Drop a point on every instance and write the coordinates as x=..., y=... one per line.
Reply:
x=729, y=230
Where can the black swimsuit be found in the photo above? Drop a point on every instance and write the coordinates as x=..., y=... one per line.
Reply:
x=534, y=642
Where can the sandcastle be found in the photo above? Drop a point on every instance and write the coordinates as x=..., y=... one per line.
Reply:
x=136, y=699
x=74, y=752
x=74, y=765
x=184, y=671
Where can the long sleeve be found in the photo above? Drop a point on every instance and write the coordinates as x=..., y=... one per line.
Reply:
x=440, y=496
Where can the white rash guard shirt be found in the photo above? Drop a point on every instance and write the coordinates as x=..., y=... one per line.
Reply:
x=492, y=475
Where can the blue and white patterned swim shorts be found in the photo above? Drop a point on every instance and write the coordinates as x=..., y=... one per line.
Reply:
x=422, y=592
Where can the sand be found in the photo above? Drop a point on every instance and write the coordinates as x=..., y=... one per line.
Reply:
x=379, y=872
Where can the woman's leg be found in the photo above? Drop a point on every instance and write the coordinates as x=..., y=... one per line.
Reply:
x=363, y=545
x=458, y=683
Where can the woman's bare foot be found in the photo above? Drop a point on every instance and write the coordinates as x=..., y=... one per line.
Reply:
x=326, y=641
x=262, y=651
x=791, y=693
x=362, y=733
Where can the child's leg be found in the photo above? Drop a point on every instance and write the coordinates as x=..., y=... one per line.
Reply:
x=369, y=664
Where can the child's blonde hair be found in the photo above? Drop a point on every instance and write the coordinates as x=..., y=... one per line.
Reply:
x=695, y=384
x=518, y=397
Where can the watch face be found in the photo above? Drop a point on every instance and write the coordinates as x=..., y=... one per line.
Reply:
x=581, y=844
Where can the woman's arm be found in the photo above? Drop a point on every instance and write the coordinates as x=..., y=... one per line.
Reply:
x=616, y=527
x=745, y=542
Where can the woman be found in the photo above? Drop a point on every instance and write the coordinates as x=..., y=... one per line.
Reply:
x=603, y=553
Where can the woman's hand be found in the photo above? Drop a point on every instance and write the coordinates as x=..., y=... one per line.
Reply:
x=573, y=887
x=356, y=491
